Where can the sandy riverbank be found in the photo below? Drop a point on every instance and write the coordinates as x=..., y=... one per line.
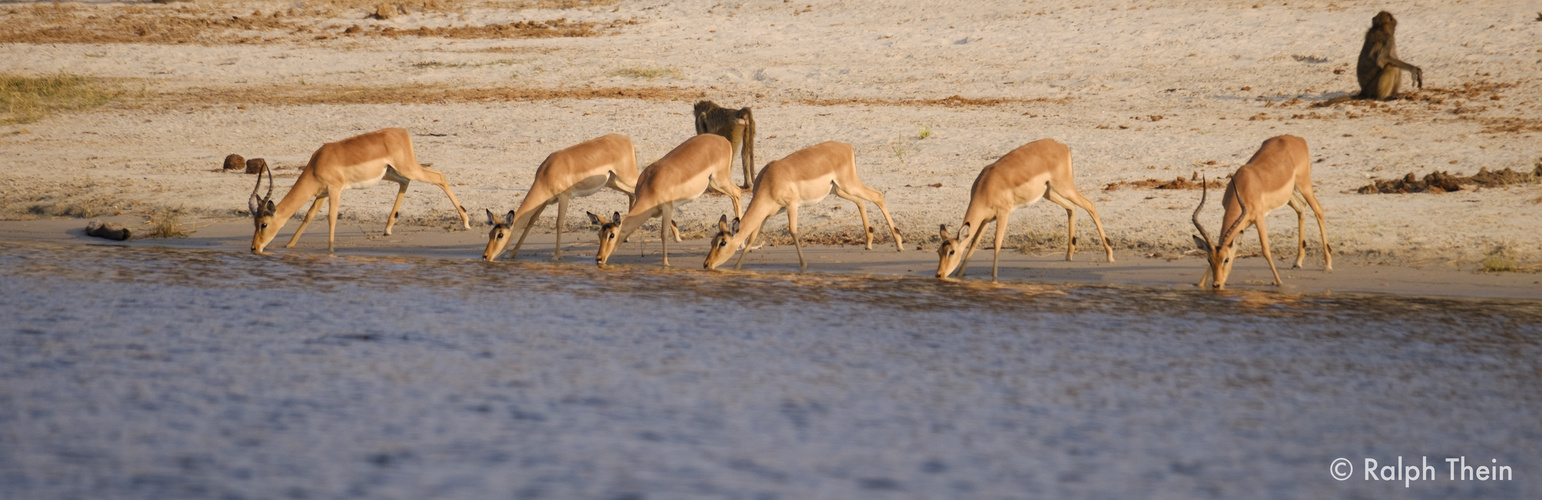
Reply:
x=1138, y=90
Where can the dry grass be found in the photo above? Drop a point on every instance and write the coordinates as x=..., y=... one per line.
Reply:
x=27, y=99
x=301, y=95
x=166, y=224
x=230, y=22
x=647, y=73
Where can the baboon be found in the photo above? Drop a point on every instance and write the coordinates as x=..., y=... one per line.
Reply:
x=1379, y=70
x=736, y=125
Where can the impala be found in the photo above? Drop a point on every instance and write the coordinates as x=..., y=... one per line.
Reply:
x=578, y=171
x=700, y=163
x=1279, y=173
x=806, y=176
x=356, y=162
x=1037, y=170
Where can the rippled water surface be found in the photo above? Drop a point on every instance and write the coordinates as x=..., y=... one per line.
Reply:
x=155, y=373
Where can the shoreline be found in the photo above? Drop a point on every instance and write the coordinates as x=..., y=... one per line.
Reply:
x=1089, y=267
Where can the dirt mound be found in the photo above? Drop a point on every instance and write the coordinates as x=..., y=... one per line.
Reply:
x=1176, y=183
x=1442, y=182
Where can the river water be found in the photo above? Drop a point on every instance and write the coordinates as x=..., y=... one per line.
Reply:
x=133, y=372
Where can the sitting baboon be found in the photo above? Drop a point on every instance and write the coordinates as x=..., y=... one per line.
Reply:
x=1379, y=70
x=738, y=126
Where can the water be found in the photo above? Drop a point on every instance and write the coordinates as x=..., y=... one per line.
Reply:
x=163, y=373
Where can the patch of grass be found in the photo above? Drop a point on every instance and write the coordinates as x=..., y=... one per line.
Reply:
x=925, y=132
x=441, y=64
x=901, y=148
x=27, y=99
x=647, y=73
x=82, y=208
x=1500, y=261
x=166, y=224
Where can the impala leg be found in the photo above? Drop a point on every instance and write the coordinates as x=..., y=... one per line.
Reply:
x=1322, y=227
x=666, y=217
x=439, y=180
x=395, y=207
x=1001, y=236
x=1205, y=276
x=1300, y=231
x=1081, y=201
x=1263, y=239
x=562, y=215
x=1070, y=220
x=792, y=228
x=867, y=228
x=334, y=202
x=873, y=195
x=974, y=244
x=315, y=207
x=748, y=245
x=529, y=223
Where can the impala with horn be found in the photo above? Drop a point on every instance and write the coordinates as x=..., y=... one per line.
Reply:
x=700, y=163
x=1279, y=173
x=805, y=176
x=1037, y=170
x=356, y=162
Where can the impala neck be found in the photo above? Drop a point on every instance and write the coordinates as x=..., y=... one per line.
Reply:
x=305, y=188
x=754, y=217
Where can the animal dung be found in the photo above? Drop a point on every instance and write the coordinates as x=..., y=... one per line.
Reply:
x=109, y=230
x=234, y=162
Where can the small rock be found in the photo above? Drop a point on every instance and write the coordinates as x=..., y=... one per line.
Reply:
x=234, y=162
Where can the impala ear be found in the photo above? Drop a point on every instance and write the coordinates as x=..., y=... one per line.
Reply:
x=722, y=224
x=1200, y=243
x=943, y=230
x=734, y=226
x=268, y=207
x=963, y=232
x=595, y=219
x=254, y=204
x=615, y=218
x=492, y=220
x=509, y=218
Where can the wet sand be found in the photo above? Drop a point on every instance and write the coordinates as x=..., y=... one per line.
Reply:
x=1089, y=266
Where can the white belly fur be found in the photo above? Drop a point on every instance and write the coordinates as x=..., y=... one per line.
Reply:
x=367, y=182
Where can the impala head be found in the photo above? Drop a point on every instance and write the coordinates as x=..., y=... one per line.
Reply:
x=265, y=227
x=951, y=252
x=498, y=237
x=1218, y=254
x=721, y=248
x=610, y=235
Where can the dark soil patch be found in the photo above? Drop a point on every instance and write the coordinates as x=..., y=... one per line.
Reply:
x=1176, y=183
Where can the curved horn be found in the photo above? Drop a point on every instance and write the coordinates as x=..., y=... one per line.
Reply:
x=253, y=203
x=1203, y=194
x=1237, y=224
x=269, y=171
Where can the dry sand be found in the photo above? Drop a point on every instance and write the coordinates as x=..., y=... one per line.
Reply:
x=1137, y=89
